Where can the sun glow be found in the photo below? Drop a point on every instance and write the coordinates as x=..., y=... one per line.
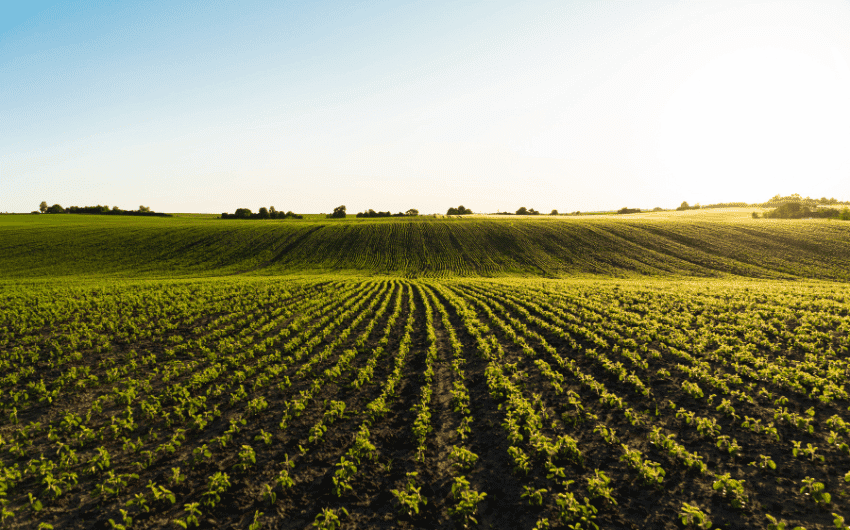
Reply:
x=758, y=119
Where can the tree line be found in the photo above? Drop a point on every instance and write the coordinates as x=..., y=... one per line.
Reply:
x=340, y=213
x=264, y=213
x=685, y=206
x=778, y=200
x=460, y=210
x=796, y=210
x=413, y=212
x=97, y=210
x=773, y=202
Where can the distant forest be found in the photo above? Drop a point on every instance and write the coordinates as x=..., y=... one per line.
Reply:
x=796, y=210
x=778, y=200
x=413, y=212
x=98, y=210
x=788, y=207
x=264, y=213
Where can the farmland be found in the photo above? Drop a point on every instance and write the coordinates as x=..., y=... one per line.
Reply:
x=98, y=246
x=186, y=373
x=618, y=402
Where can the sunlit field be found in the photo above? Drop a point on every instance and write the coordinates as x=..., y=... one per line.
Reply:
x=711, y=214
x=68, y=246
x=623, y=345
x=186, y=372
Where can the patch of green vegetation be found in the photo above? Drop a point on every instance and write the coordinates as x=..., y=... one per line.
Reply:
x=180, y=400
x=83, y=245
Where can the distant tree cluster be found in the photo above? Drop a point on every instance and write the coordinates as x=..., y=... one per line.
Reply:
x=460, y=210
x=527, y=211
x=727, y=205
x=98, y=210
x=797, y=210
x=774, y=202
x=629, y=210
x=264, y=213
x=339, y=213
x=778, y=200
x=413, y=212
x=685, y=206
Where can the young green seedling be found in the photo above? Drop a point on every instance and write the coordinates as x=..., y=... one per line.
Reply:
x=691, y=515
x=410, y=498
x=329, y=519
x=598, y=486
x=534, y=496
x=256, y=525
x=766, y=462
x=192, y=518
x=816, y=491
x=466, y=501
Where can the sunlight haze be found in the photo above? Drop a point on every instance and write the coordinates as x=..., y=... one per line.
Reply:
x=213, y=106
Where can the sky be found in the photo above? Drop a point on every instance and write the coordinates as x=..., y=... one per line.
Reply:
x=209, y=106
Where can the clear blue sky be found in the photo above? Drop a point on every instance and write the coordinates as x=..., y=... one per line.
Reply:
x=210, y=106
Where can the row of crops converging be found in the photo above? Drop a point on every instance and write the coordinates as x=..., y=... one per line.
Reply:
x=332, y=402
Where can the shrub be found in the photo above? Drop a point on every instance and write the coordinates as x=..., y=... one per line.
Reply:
x=339, y=213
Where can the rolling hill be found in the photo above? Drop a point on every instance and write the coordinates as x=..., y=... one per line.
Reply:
x=33, y=246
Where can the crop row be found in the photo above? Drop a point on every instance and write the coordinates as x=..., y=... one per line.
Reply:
x=291, y=402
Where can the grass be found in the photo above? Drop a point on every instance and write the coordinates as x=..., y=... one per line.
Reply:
x=157, y=341
x=33, y=246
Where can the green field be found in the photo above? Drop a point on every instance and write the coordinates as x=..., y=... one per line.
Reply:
x=645, y=371
x=624, y=246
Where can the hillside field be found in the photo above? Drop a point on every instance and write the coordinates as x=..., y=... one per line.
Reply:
x=611, y=373
x=625, y=246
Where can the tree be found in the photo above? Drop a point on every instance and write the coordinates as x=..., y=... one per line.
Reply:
x=460, y=210
x=144, y=209
x=339, y=213
x=264, y=213
x=272, y=212
x=522, y=211
x=56, y=209
x=412, y=212
x=43, y=207
x=554, y=212
x=242, y=213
